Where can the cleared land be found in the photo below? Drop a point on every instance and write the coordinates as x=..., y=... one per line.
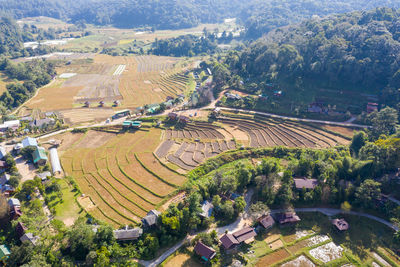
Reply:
x=120, y=174
x=134, y=81
x=189, y=146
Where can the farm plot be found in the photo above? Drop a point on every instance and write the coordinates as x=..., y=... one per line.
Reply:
x=123, y=180
x=268, y=133
x=327, y=252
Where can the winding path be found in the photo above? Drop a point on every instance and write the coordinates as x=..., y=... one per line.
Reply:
x=232, y=227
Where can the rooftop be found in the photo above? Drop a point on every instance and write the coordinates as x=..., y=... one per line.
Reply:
x=128, y=234
x=287, y=217
x=39, y=154
x=204, y=251
x=301, y=183
x=4, y=251
x=340, y=224
x=207, y=208
x=266, y=221
x=244, y=234
x=29, y=141
x=228, y=240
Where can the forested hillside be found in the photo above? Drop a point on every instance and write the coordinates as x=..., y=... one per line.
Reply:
x=10, y=37
x=259, y=16
x=356, y=51
x=262, y=16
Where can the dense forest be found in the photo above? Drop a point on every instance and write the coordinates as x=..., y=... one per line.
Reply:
x=30, y=76
x=259, y=16
x=357, y=50
x=10, y=37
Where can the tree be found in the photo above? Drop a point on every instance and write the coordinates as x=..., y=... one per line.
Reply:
x=384, y=122
x=368, y=191
x=3, y=210
x=104, y=235
x=80, y=240
x=240, y=204
x=257, y=210
x=358, y=141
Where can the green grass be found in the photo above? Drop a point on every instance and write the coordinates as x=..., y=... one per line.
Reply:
x=67, y=208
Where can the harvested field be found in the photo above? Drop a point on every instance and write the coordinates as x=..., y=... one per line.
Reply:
x=81, y=115
x=122, y=184
x=327, y=252
x=273, y=258
x=301, y=261
x=182, y=259
x=268, y=133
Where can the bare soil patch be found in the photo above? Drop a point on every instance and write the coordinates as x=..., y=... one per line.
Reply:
x=95, y=139
x=342, y=130
x=301, y=261
x=276, y=245
x=182, y=260
x=273, y=258
x=86, y=203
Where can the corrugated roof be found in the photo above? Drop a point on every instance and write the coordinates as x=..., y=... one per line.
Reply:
x=55, y=161
x=305, y=183
x=244, y=234
x=128, y=234
x=204, y=250
x=4, y=251
x=228, y=240
x=29, y=141
x=39, y=154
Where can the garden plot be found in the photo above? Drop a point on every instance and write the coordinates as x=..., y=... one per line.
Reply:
x=380, y=259
x=317, y=239
x=327, y=252
x=119, y=70
x=301, y=261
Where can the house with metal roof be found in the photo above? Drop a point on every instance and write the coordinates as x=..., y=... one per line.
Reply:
x=29, y=141
x=29, y=238
x=44, y=175
x=287, y=218
x=55, y=161
x=4, y=253
x=266, y=221
x=3, y=152
x=150, y=219
x=4, y=178
x=340, y=224
x=206, y=209
x=301, y=183
x=12, y=202
x=228, y=241
x=128, y=234
x=205, y=252
x=39, y=156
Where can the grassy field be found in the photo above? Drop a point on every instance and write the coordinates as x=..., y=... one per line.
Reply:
x=120, y=174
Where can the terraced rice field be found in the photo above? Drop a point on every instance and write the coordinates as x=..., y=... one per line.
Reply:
x=122, y=177
x=264, y=132
x=189, y=147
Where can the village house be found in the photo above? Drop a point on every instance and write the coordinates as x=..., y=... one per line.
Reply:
x=15, y=212
x=29, y=238
x=44, y=175
x=4, y=178
x=266, y=221
x=206, y=209
x=29, y=141
x=14, y=202
x=20, y=229
x=308, y=184
x=205, y=252
x=4, y=253
x=183, y=119
x=371, y=107
x=340, y=224
x=10, y=125
x=3, y=152
x=101, y=104
x=7, y=190
x=39, y=156
x=287, y=218
x=128, y=234
x=86, y=104
x=150, y=220
x=41, y=123
x=245, y=235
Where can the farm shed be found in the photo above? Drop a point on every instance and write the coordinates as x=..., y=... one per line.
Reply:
x=228, y=241
x=151, y=218
x=206, y=209
x=39, y=156
x=29, y=141
x=13, y=202
x=43, y=175
x=3, y=152
x=136, y=124
x=15, y=212
x=55, y=161
x=287, y=218
x=340, y=224
x=29, y=238
x=245, y=235
x=121, y=113
x=4, y=253
x=128, y=234
x=20, y=229
x=4, y=179
x=301, y=183
x=266, y=221
x=204, y=251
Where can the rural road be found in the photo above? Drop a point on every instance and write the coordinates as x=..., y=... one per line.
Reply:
x=235, y=226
